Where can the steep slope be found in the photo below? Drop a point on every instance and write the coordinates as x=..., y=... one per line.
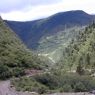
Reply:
x=31, y=32
x=80, y=53
x=14, y=56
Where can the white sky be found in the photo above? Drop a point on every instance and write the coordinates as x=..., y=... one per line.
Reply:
x=44, y=9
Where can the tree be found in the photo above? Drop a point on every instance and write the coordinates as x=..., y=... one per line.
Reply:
x=80, y=69
x=88, y=59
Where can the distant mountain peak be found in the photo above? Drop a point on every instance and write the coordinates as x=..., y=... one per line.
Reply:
x=73, y=12
x=78, y=11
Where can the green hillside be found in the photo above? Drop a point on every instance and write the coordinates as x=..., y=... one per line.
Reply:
x=80, y=53
x=14, y=56
x=52, y=46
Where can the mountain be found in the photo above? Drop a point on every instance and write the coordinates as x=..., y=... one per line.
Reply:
x=32, y=31
x=14, y=55
x=49, y=36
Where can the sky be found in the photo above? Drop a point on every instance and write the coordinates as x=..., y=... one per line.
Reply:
x=27, y=10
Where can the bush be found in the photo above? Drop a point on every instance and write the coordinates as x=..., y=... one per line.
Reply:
x=50, y=82
x=67, y=82
x=79, y=87
x=5, y=72
x=29, y=84
x=18, y=72
x=48, y=79
x=66, y=88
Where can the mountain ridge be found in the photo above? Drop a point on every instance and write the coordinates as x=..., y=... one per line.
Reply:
x=32, y=31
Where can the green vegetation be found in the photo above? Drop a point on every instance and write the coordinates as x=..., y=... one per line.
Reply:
x=73, y=73
x=79, y=55
x=14, y=56
x=48, y=83
x=54, y=45
x=29, y=84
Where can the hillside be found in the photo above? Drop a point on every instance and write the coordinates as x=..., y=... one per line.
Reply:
x=79, y=55
x=75, y=72
x=31, y=32
x=14, y=56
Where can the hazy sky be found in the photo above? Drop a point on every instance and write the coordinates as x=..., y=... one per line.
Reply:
x=23, y=10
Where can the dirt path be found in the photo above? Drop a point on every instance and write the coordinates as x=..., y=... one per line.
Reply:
x=5, y=89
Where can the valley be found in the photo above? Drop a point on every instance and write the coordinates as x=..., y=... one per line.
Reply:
x=50, y=56
x=52, y=34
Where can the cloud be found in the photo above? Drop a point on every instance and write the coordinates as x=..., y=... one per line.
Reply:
x=86, y=5
x=15, y=5
x=38, y=9
x=31, y=13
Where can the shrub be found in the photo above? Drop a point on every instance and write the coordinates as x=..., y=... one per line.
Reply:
x=50, y=82
x=5, y=72
x=48, y=79
x=66, y=88
x=29, y=84
x=79, y=87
